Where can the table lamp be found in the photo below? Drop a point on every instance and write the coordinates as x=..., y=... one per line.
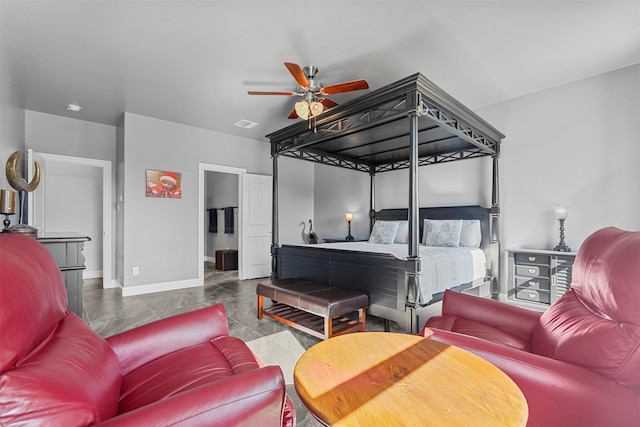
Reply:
x=561, y=213
x=7, y=207
x=348, y=216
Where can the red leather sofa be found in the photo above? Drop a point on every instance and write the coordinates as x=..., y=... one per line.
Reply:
x=184, y=370
x=578, y=363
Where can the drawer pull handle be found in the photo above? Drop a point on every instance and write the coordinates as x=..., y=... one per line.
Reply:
x=532, y=270
x=534, y=283
x=532, y=258
x=532, y=296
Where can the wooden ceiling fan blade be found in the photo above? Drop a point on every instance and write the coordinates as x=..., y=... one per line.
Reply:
x=292, y=114
x=255, y=92
x=328, y=103
x=345, y=87
x=297, y=74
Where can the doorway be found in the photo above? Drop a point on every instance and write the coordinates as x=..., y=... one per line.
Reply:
x=75, y=196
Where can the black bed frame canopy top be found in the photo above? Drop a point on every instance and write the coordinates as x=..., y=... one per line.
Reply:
x=371, y=133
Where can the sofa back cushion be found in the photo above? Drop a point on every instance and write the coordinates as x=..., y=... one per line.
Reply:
x=596, y=324
x=55, y=370
x=33, y=298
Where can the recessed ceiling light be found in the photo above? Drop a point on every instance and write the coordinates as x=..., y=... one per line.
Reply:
x=74, y=107
x=247, y=124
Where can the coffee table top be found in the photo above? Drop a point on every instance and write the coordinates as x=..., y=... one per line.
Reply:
x=391, y=379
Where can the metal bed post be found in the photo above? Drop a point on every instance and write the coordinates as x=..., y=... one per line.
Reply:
x=413, y=261
x=372, y=197
x=274, y=214
x=494, y=223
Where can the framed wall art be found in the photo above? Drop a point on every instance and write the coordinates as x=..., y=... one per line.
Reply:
x=164, y=184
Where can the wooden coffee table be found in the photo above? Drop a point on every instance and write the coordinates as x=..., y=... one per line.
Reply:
x=390, y=379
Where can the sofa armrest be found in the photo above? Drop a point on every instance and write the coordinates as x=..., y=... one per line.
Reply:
x=254, y=397
x=558, y=393
x=514, y=320
x=140, y=345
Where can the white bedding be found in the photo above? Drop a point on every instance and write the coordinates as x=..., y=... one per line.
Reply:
x=442, y=267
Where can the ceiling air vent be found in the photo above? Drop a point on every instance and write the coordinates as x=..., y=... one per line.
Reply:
x=247, y=124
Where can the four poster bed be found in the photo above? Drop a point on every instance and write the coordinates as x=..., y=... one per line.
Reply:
x=404, y=125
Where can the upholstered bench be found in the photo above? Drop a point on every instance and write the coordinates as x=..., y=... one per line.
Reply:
x=312, y=307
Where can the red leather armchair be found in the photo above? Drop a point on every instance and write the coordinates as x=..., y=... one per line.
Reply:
x=578, y=363
x=183, y=370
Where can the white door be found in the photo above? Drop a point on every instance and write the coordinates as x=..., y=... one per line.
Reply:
x=36, y=209
x=255, y=243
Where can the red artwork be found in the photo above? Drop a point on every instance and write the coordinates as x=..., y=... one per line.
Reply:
x=163, y=184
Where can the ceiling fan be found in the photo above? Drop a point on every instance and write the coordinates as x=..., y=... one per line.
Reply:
x=314, y=94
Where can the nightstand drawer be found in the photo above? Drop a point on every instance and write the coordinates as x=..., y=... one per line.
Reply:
x=532, y=270
x=532, y=295
x=532, y=259
x=532, y=283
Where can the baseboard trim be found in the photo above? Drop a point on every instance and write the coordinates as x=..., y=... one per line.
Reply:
x=92, y=274
x=160, y=287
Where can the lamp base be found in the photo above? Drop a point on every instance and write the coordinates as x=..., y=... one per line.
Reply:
x=562, y=248
x=349, y=238
x=25, y=229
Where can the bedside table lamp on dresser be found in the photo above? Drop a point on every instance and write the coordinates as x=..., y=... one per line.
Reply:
x=561, y=213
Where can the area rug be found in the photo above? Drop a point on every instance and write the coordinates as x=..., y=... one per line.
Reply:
x=281, y=348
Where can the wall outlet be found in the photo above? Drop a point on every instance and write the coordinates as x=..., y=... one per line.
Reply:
x=136, y=271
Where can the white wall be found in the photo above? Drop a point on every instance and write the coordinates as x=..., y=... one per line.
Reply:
x=295, y=199
x=161, y=235
x=11, y=118
x=576, y=144
x=51, y=134
x=73, y=203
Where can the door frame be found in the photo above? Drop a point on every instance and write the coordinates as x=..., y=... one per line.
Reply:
x=208, y=167
x=107, y=211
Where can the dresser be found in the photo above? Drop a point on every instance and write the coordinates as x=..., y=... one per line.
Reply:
x=66, y=250
x=538, y=277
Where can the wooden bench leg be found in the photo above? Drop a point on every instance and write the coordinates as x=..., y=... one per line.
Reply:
x=328, y=327
x=362, y=319
x=260, y=306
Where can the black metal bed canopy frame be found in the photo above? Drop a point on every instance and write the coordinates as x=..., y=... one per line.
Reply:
x=404, y=125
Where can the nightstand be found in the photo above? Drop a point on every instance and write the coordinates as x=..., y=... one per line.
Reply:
x=538, y=277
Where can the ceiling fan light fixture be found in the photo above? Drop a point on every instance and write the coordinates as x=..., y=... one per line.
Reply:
x=302, y=109
x=316, y=108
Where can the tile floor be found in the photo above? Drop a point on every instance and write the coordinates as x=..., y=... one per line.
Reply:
x=108, y=313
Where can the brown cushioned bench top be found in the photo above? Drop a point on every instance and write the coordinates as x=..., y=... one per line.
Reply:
x=293, y=297
x=321, y=300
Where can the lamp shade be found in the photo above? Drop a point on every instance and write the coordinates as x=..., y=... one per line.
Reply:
x=7, y=202
x=348, y=216
x=316, y=108
x=302, y=109
x=561, y=212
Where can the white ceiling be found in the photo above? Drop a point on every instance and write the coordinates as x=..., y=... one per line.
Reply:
x=192, y=62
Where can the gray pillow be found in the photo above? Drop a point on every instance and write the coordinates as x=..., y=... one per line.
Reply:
x=383, y=232
x=471, y=235
x=442, y=232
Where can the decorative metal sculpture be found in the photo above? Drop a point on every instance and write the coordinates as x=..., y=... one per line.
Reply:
x=17, y=181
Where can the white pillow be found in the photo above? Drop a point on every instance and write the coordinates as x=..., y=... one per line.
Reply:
x=470, y=236
x=444, y=232
x=383, y=232
x=402, y=234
